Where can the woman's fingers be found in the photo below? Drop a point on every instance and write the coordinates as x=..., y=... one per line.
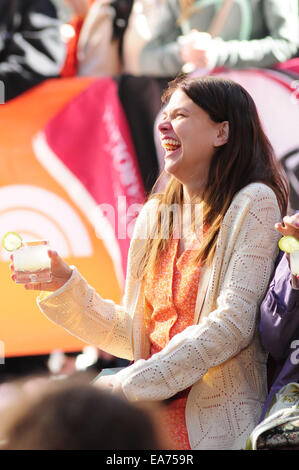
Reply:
x=45, y=286
x=290, y=226
x=58, y=266
x=61, y=273
x=34, y=286
x=278, y=226
x=53, y=255
x=12, y=269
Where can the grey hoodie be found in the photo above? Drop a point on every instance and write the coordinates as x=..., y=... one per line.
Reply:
x=257, y=33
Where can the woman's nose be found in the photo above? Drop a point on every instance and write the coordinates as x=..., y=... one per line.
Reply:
x=164, y=125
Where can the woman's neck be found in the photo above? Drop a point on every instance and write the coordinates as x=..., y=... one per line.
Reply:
x=192, y=215
x=192, y=193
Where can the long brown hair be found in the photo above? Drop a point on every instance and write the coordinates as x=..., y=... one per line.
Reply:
x=247, y=157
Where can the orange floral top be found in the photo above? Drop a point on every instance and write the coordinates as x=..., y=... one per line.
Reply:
x=171, y=292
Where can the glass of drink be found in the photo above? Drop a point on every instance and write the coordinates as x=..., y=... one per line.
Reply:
x=294, y=262
x=32, y=263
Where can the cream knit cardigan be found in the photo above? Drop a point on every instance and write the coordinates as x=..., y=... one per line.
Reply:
x=220, y=356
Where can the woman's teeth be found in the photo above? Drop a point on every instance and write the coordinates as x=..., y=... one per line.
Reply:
x=170, y=144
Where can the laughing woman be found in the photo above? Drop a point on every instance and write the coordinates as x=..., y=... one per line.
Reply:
x=193, y=290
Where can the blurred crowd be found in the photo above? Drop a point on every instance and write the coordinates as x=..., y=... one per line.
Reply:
x=44, y=413
x=41, y=39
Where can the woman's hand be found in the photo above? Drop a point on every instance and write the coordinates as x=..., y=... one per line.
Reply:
x=61, y=272
x=290, y=226
x=111, y=383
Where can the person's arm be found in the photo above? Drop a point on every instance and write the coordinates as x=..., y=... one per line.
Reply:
x=279, y=324
x=161, y=55
x=226, y=330
x=35, y=52
x=281, y=44
x=85, y=314
x=75, y=306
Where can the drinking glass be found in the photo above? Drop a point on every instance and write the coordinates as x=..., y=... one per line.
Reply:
x=294, y=261
x=32, y=263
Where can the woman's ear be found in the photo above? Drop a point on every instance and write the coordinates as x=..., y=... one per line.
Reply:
x=222, y=135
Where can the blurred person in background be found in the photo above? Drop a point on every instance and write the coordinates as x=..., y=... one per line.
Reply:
x=279, y=323
x=278, y=428
x=71, y=33
x=143, y=19
x=31, y=47
x=94, y=37
x=256, y=33
x=90, y=359
x=104, y=37
x=71, y=414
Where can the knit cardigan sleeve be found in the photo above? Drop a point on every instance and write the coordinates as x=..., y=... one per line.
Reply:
x=244, y=261
x=249, y=237
x=85, y=314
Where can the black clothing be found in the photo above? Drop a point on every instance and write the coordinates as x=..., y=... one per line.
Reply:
x=31, y=47
x=141, y=97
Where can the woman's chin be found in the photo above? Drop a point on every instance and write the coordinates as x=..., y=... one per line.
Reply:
x=172, y=162
x=170, y=168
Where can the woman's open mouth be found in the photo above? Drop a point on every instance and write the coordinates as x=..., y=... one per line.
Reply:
x=170, y=145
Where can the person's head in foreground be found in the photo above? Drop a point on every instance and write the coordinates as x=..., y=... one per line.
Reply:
x=72, y=415
x=214, y=146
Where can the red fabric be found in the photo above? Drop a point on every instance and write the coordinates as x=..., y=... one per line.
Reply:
x=71, y=62
x=291, y=65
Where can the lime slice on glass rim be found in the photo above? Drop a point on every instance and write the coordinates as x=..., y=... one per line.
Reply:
x=288, y=244
x=12, y=241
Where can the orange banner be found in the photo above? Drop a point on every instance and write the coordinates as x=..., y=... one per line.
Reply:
x=36, y=205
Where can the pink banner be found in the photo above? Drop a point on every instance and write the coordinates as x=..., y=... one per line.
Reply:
x=88, y=149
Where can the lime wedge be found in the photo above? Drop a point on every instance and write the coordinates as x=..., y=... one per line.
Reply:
x=11, y=241
x=288, y=244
